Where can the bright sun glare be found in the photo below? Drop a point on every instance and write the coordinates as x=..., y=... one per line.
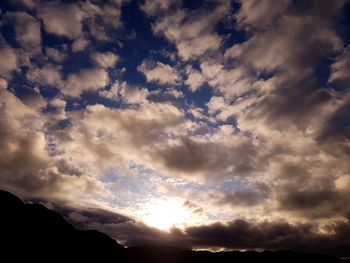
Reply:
x=164, y=214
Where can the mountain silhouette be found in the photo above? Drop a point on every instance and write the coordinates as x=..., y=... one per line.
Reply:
x=34, y=233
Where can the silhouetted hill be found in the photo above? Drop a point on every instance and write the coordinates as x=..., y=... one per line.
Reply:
x=33, y=233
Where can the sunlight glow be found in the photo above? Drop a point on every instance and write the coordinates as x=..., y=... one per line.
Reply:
x=166, y=213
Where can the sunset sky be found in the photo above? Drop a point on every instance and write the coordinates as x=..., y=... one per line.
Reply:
x=201, y=124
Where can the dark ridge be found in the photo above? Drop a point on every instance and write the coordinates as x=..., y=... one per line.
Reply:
x=33, y=233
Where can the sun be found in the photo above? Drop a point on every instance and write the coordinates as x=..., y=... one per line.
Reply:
x=166, y=213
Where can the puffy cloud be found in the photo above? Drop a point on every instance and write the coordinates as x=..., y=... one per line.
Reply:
x=102, y=18
x=27, y=29
x=192, y=33
x=3, y=83
x=134, y=129
x=57, y=110
x=25, y=164
x=215, y=104
x=61, y=19
x=264, y=51
x=86, y=80
x=55, y=54
x=194, y=79
x=252, y=13
x=9, y=55
x=177, y=94
x=79, y=44
x=47, y=75
x=126, y=93
x=156, y=7
x=105, y=60
x=159, y=72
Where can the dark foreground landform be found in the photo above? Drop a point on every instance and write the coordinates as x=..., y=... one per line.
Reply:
x=33, y=233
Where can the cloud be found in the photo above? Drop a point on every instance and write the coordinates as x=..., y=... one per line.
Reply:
x=97, y=129
x=194, y=79
x=61, y=19
x=79, y=44
x=156, y=7
x=253, y=13
x=240, y=198
x=25, y=164
x=265, y=50
x=263, y=149
x=121, y=91
x=192, y=33
x=55, y=54
x=105, y=60
x=339, y=73
x=236, y=234
x=102, y=18
x=213, y=160
x=9, y=55
x=3, y=84
x=272, y=236
x=47, y=75
x=86, y=80
x=27, y=30
x=159, y=72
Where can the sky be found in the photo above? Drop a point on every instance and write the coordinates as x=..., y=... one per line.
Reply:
x=202, y=124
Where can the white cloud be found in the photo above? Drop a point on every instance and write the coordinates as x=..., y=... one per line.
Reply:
x=55, y=54
x=61, y=19
x=27, y=30
x=253, y=13
x=192, y=33
x=79, y=44
x=3, y=84
x=121, y=91
x=7, y=54
x=193, y=48
x=47, y=75
x=194, y=79
x=177, y=94
x=86, y=80
x=156, y=7
x=215, y=104
x=105, y=60
x=159, y=72
x=101, y=18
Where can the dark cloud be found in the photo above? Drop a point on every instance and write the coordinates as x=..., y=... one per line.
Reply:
x=211, y=158
x=240, y=234
x=273, y=236
x=240, y=198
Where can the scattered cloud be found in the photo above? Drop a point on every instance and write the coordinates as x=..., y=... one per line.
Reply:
x=9, y=55
x=192, y=33
x=159, y=72
x=89, y=79
x=55, y=54
x=227, y=113
x=27, y=30
x=61, y=19
x=156, y=7
x=105, y=60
